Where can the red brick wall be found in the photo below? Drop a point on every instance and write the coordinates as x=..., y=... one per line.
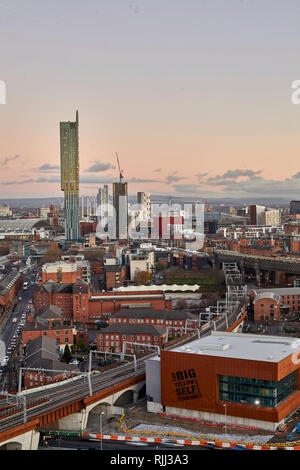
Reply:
x=262, y=308
x=33, y=334
x=112, y=280
x=64, y=301
x=116, y=337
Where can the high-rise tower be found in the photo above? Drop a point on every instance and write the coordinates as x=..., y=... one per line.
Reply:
x=69, y=168
x=102, y=201
x=120, y=202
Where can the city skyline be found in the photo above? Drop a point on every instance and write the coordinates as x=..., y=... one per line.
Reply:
x=195, y=98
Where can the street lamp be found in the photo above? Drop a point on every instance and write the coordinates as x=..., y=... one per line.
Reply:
x=225, y=429
x=101, y=414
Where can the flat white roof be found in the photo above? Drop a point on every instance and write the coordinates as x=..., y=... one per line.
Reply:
x=279, y=290
x=242, y=346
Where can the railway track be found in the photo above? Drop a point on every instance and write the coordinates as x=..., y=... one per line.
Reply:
x=71, y=392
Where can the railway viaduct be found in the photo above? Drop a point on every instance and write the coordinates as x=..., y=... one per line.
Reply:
x=278, y=270
x=73, y=416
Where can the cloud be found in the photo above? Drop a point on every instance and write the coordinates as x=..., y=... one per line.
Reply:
x=4, y=163
x=99, y=167
x=141, y=180
x=186, y=189
x=233, y=175
x=83, y=179
x=173, y=178
x=31, y=180
x=47, y=168
x=200, y=176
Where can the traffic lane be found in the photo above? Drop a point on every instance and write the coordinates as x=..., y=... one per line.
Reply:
x=20, y=306
x=80, y=443
x=10, y=328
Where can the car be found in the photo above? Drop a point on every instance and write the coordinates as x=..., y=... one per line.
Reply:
x=74, y=362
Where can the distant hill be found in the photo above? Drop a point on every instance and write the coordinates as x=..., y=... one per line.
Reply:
x=155, y=198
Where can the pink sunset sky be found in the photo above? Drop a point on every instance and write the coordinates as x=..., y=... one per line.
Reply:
x=195, y=95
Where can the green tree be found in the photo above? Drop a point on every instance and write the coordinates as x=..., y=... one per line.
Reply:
x=67, y=356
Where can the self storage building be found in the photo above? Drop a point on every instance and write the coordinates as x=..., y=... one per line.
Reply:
x=242, y=379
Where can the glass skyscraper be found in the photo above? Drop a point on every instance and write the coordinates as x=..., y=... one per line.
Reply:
x=69, y=168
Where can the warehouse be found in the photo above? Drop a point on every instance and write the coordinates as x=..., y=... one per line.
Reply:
x=231, y=378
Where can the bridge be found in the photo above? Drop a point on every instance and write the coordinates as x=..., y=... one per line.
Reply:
x=67, y=405
x=277, y=270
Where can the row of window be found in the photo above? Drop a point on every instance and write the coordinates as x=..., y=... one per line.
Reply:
x=133, y=321
x=256, y=391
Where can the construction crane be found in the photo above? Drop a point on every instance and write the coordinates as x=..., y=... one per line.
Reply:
x=120, y=171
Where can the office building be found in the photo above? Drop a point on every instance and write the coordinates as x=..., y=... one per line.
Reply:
x=271, y=217
x=120, y=203
x=69, y=167
x=295, y=207
x=230, y=378
x=144, y=200
x=102, y=202
x=256, y=214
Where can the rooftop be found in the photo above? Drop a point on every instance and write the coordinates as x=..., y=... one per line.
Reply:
x=150, y=313
x=269, y=295
x=133, y=329
x=242, y=346
x=280, y=290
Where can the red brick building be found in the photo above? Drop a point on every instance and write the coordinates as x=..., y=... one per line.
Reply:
x=43, y=353
x=266, y=307
x=112, y=337
x=79, y=304
x=106, y=304
x=115, y=276
x=63, y=334
x=9, y=286
x=174, y=320
x=270, y=303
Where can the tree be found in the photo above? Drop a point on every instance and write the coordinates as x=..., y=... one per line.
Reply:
x=53, y=253
x=67, y=356
x=93, y=253
x=141, y=277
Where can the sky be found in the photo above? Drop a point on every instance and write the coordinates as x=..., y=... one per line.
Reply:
x=194, y=95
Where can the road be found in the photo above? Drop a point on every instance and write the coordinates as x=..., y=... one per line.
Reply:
x=8, y=329
x=95, y=444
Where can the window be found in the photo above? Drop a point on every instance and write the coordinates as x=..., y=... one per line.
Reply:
x=256, y=391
